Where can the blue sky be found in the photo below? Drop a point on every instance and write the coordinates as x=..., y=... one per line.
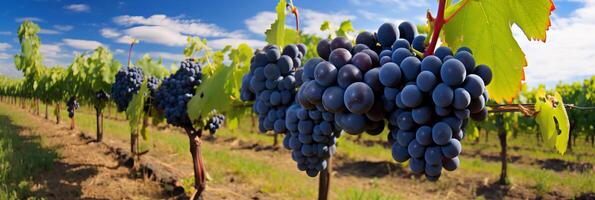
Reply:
x=69, y=27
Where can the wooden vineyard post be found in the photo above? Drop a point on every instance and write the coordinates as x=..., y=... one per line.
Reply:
x=324, y=182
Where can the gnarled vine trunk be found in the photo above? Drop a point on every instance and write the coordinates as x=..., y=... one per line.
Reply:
x=194, y=137
x=57, y=113
x=47, y=112
x=503, y=146
x=99, y=119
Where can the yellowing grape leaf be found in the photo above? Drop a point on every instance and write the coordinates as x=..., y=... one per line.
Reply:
x=552, y=120
x=276, y=34
x=485, y=27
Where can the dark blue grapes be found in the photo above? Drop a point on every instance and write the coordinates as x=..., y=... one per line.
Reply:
x=71, y=105
x=272, y=82
x=214, y=123
x=128, y=82
x=312, y=137
x=426, y=100
x=177, y=90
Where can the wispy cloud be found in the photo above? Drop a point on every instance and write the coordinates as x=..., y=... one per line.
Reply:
x=164, y=30
x=5, y=33
x=63, y=27
x=78, y=7
x=109, y=33
x=33, y=19
x=49, y=32
x=260, y=22
x=4, y=46
x=82, y=44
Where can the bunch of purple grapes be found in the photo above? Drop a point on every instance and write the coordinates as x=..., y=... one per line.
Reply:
x=128, y=83
x=215, y=123
x=426, y=101
x=176, y=91
x=430, y=99
x=272, y=83
x=312, y=137
x=71, y=105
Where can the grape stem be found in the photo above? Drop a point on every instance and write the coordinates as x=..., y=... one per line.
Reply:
x=438, y=23
x=130, y=52
x=295, y=12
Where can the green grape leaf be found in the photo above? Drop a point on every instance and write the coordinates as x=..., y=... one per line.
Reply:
x=276, y=34
x=552, y=120
x=291, y=36
x=345, y=28
x=485, y=27
x=211, y=94
x=325, y=26
x=135, y=109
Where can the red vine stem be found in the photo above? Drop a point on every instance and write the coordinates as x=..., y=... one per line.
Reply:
x=438, y=23
x=296, y=13
x=130, y=51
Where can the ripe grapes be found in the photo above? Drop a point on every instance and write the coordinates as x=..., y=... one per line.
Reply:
x=128, y=82
x=426, y=100
x=177, y=90
x=272, y=82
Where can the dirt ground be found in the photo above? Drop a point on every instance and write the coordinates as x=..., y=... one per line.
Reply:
x=85, y=170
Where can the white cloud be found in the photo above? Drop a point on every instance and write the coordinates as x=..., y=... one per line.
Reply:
x=221, y=43
x=119, y=51
x=313, y=19
x=78, y=7
x=63, y=27
x=155, y=34
x=260, y=22
x=164, y=30
x=4, y=56
x=184, y=26
x=400, y=4
x=110, y=33
x=5, y=33
x=49, y=31
x=33, y=19
x=5, y=46
x=82, y=44
x=50, y=50
x=9, y=69
x=568, y=52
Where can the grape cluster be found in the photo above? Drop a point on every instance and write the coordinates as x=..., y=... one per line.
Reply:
x=128, y=82
x=215, y=123
x=428, y=100
x=312, y=137
x=177, y=90
x=272, y=83
x=153, y=85
x=71, y=105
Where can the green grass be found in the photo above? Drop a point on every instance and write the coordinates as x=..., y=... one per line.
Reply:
x=20, y=157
